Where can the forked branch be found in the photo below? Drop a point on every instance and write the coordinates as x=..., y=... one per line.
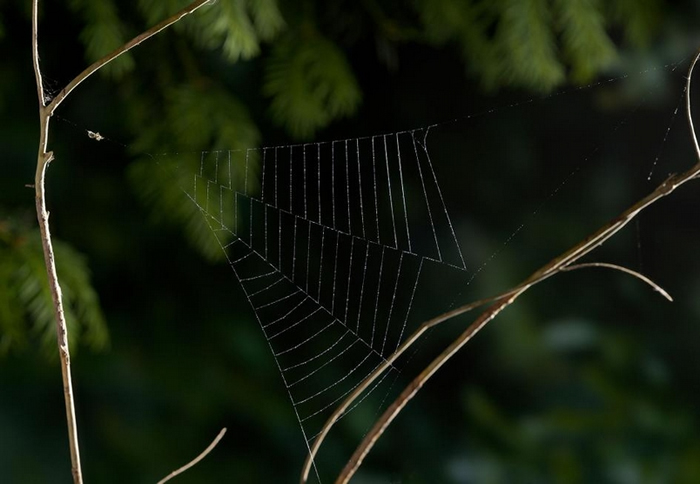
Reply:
x=44, y=157
x=566, y=261
x=99, y=64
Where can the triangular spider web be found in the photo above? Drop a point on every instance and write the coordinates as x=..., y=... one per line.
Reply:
x=328, y=241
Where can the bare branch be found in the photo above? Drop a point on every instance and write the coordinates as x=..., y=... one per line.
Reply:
x=626, y=270
x=44, y=157
x=194, y=461
x=561, y=263
x=412, y=389
x=35, y=52
x=97, y=65
x=385, y=365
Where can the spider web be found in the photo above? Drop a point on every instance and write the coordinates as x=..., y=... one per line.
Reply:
x=329, y=241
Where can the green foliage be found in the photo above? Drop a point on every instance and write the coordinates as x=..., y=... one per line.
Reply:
x=195, y=117
x=639, y=18
x=443, y=20
x=532, y=43
x=156, y=11
x=586, y=44
x=25, y=294
x=236, y=26
x=310, y=83
x=607, y=412
x=103, y=32
x=526, y=40
x=209, y=116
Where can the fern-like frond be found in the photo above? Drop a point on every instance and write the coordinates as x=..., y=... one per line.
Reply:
x=480, y=51
x=527, y=38
x=156, y=10
x=237, y=26
x=310, y=83
x=188, y=105
x=198, y=118
x=25, y=295
x=103, y=32
x=12, y=325
x=80, y=299
x=160, y=185
x=586, y=43
x=267, y=18
x=639, y=18
x=228, y=24
x=35, y=296
x=443, y=20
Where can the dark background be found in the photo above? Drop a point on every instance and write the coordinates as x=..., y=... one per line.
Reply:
x=590, y=377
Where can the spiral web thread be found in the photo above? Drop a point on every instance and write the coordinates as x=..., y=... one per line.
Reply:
x=328, y=241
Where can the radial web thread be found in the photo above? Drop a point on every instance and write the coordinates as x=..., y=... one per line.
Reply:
x=328, y=241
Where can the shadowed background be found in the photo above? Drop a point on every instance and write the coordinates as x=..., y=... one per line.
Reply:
x=592, y=377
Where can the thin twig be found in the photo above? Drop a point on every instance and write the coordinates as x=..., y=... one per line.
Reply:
x=35, y=52
x=412, y=389
x=196, y=459
x=385, y=365
x=44, y=157
x=97, y=65
x=561, y=263
x=626, y=270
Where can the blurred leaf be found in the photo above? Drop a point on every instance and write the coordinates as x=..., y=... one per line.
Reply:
x=238, y=26
x=80, y=299
x=310, y=83
x=444, y=20
x=518, y=42
x=207, y=116
x=157, y=10
x=586, y=43
x=12, y=324
x=199, y=118
x=468, y=23
x=103, y=32
x=605, y=414
x=267, y=18
x=527, y=41
x=640, y=18
x=25, y=294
